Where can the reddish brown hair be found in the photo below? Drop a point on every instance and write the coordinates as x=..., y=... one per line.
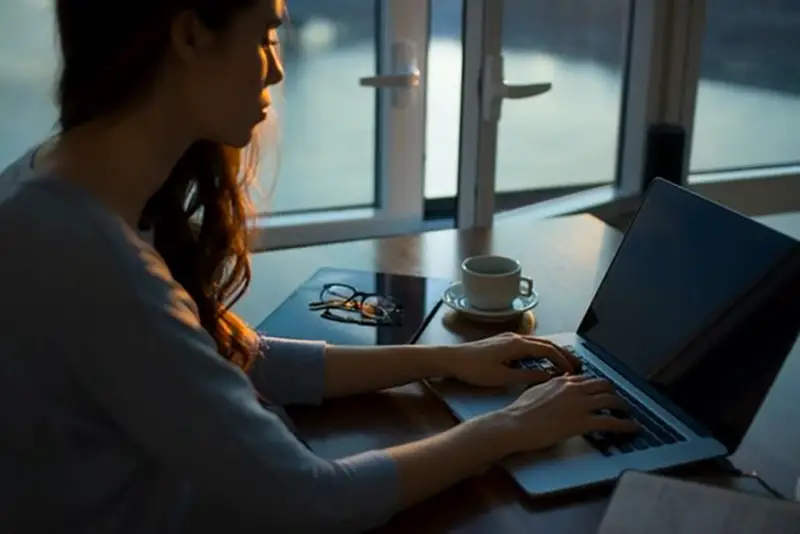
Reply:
x=199, y=216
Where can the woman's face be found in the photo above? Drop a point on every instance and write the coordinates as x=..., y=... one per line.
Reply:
x=228, y=88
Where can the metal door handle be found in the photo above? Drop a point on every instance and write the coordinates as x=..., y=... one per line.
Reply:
x=410, y=79
x=404, y=77
x=495, y=89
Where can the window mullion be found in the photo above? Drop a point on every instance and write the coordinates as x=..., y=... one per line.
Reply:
x=401, y=113
x=483, y=31
x=664, y=46
x=688, y=28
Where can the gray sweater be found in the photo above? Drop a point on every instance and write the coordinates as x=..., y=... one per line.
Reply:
x=118, y=415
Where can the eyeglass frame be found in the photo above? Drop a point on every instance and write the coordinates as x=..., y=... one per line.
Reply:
x=391, y=317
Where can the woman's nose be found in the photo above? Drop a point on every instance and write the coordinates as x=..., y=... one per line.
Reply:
x=275, y=73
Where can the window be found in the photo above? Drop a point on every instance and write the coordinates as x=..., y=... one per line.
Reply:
x=443, y=105
x=398, y=112
x=748, y=100
x=350, y=115
x=333, y=130
x=565, y=139
x=327, y=122
x=579, y=47
x=545, y=87
x=28, y=64
x=352, y=123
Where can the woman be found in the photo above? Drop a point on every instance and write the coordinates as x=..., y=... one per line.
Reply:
x=146, y=404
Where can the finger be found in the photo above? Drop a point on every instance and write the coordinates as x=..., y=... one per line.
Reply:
x=526, y=376
x=541, y=349
x=573, y=365
x=576, y=378
x=606, y=401
x=608, y=423
x=595, y=386
x=574, y=360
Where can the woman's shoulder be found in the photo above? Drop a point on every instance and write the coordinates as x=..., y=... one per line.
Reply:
x=17, y=173
x=53, y=227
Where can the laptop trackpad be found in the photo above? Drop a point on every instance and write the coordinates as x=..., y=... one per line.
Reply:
x=570, y=464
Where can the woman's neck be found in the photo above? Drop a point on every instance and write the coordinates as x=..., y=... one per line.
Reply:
x=123, y=161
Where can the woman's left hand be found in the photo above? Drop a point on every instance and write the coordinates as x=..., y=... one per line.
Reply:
x=486, y=362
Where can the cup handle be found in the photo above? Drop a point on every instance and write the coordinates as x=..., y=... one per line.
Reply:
x=525, y=286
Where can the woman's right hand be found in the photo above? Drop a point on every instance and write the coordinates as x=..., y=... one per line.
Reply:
x=561, y=408
x=544, y=415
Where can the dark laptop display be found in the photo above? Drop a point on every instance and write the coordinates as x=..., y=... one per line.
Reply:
x=681, y=267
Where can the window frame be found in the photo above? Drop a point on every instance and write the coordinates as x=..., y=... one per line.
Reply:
x=399, y=153
x=477, y=199
x=481, y=37
x=755, y=191
x=661, y=83
x=662, y=75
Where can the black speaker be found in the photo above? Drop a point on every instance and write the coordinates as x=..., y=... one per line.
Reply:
x=664, y=155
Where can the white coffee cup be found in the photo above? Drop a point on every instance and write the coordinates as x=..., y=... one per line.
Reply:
x=492, y=282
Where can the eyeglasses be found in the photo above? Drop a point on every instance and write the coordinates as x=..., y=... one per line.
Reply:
x=345, y=304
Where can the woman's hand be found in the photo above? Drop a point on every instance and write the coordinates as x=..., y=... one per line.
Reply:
x=559, y=409
x=486, y=362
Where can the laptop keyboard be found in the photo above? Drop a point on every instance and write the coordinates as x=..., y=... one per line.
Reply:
x=653, y=431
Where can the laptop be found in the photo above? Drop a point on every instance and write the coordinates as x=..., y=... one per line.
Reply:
x=692, y=323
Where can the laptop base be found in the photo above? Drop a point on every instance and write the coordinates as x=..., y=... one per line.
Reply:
x=575, y=463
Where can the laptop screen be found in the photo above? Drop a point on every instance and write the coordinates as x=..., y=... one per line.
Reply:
x=684, y=261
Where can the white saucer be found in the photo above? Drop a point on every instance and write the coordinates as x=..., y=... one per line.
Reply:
x=455, y=298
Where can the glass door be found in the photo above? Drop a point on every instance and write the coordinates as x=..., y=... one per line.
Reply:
x=545, y=119
x=351, y=123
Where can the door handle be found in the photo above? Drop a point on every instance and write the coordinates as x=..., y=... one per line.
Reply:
x=409, y=79
x=404, y=77
x=494, y=89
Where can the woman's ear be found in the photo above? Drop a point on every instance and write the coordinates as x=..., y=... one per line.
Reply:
x=190, y=37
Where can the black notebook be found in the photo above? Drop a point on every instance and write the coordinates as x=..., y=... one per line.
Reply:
x=418, y=296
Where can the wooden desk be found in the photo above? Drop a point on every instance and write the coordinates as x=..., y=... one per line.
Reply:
x=567, y=257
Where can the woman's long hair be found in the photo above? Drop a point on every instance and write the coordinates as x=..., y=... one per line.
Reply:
x=199, y=216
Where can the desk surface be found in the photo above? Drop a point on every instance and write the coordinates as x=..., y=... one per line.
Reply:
x=567, y=257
